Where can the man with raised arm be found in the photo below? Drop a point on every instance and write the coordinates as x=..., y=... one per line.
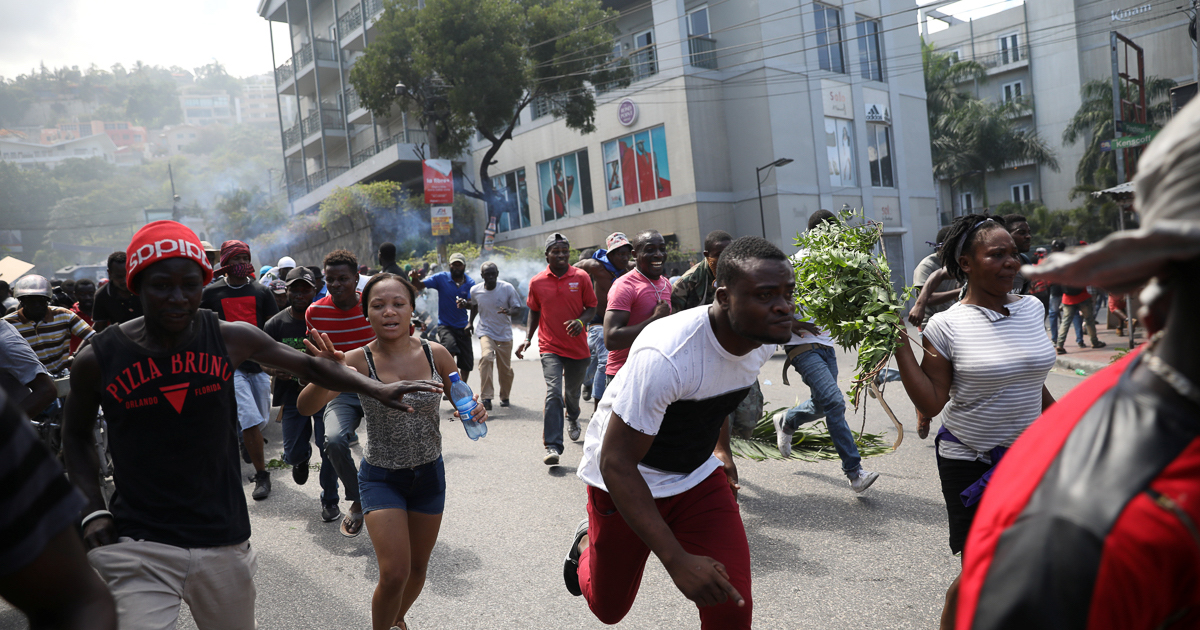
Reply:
x=178, y=529
x=656, y=460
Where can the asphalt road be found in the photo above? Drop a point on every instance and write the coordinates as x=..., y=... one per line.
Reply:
x=822, y=557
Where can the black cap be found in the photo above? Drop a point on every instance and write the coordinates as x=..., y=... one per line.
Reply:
x=301, y=273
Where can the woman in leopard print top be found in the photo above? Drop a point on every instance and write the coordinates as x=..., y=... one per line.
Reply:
x=402, y=479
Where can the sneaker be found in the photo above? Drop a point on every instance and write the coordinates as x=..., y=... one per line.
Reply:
x=300, y=473
x=571, y=564
x=863, y=480
x=551, y=457
x=783, y=435
x=503, y=402
x=1060, y=350
x=587, y=392
x=353, y=440
x=573, y=429
x=330, y=513
x=245, y=453
x=1098, y=344
x=262, y=485
x=487, y=403
x=1082, y=345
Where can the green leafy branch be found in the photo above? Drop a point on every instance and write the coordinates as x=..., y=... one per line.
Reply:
x=844, y=287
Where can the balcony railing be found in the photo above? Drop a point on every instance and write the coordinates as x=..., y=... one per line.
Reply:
x=284, y=72
x=351, y=99
x=363, y=156
x=643, y=62
x=291, y=137
x=350, y=20
x=703, y=52
x=321, y=119
x=1003, y=57
x=373, y=7
x=323, y=176
x=305, y=56
x=297, y=190
x=326, y=50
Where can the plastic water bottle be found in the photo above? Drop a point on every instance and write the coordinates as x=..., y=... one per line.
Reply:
x=464, y=401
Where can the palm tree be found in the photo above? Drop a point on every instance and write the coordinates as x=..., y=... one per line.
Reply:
x=944, y=73
x=980, y=137
x=1093, y=122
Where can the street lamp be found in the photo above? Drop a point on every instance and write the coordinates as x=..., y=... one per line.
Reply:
x=758, y=177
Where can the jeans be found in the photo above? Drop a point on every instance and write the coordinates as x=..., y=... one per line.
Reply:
x=818, y=368
x=563, y=379
x=1071, y=312
x=599, y=361
x=297, y=431
x=343, y=415
x=1055, y=313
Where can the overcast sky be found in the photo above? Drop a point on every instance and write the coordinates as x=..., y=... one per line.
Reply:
x=165, y=33
x=157, y=32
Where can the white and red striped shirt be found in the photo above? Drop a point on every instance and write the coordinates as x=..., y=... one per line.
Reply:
x=346, y=329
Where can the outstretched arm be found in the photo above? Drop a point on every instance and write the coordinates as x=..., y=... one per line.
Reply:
x=256, y=345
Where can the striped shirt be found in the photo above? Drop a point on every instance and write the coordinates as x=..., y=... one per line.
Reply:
x=1000, y=365
x=346, y=329
x=51, y=337
x=36, y=500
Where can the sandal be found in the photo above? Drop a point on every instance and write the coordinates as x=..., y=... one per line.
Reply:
x=352, y=525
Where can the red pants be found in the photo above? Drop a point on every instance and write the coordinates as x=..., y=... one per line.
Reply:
x=706, y=522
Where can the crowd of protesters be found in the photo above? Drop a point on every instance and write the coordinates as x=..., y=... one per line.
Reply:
x=1064, y=513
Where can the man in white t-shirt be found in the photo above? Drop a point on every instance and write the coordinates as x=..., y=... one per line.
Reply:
x=656, y=458
x=494, y=302
x=812, y=352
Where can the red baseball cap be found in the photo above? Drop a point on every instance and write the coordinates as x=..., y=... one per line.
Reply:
x=161, y=240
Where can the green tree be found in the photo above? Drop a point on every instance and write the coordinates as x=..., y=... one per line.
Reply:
x=475, y=64
x=213, y=76
x=981, y=137
x=944, y=73
x=1093, y=124
x=14, y=102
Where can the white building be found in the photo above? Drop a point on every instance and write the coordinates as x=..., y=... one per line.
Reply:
x=721, y=91
x=1044, y=52
x=25, y=153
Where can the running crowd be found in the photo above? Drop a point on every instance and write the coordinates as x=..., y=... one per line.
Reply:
x=1073, y=513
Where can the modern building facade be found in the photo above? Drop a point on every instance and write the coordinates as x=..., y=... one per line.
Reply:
x=721, y=91
x=1044, y=52
x=26, y=153
x=330, y=140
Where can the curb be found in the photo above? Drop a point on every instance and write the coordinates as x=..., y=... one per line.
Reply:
x=1071, y=364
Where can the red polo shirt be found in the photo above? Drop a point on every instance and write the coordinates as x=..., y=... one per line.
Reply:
x=560, y=300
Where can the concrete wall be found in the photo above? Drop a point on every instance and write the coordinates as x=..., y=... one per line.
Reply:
x=345, y=233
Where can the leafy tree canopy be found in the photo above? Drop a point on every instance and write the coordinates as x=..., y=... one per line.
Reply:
x=1093, y=124
x=475, y=64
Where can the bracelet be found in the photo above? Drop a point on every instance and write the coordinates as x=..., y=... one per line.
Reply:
x=93, y=516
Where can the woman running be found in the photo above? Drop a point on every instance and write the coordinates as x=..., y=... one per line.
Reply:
x=984, y=369
x=402, y=480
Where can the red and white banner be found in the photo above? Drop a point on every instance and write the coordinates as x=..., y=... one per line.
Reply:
x=439, y=184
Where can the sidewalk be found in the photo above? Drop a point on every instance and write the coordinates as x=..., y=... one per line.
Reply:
x=1095, y=359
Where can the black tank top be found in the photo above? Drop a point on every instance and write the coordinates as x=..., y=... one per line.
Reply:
x=172, y=421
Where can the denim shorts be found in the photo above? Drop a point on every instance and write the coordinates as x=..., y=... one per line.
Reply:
x=420, y=489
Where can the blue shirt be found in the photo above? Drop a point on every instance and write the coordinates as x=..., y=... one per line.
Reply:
x=448, y=292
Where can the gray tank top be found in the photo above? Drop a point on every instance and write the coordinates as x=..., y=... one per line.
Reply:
x=397, y=439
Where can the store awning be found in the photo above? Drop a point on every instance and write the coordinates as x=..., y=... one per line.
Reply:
x=13, y=268
x=1120, y=189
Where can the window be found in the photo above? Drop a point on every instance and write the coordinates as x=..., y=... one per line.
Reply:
x=513, y=199
x=967, y=201
x=1011, y=91
x=879, y=155
x=643, y=63
x=1022, y=193
x=540, y=106
x=870, y=59
x=702, y=50
x=839, y=146
x=955, y=55
x=1009, y=52
x=829, y=38
x=566, y=186
x=636, y=168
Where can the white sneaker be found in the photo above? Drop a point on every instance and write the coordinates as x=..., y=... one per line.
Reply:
x=551, y=457
x=863, y=481
x=783, y=435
